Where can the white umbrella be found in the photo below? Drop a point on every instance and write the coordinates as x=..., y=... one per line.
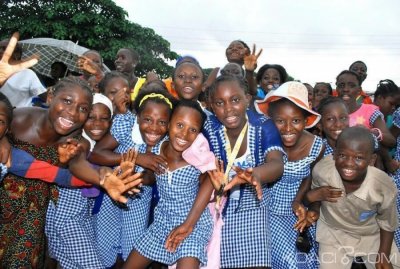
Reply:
x=53, y=50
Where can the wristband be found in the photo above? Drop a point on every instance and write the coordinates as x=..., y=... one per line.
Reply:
x=379, y=137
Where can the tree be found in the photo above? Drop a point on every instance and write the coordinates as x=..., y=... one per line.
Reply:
x=96, y=24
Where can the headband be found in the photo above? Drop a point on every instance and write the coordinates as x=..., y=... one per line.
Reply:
x=155, y=95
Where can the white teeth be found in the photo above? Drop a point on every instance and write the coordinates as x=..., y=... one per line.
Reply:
x=152, y=137
x=348, y=171
x=181, y=142
x=187, y=89
x=65, y=123
x=231, y=119
x=338, y=132
x=288, y=136
x=96, y=132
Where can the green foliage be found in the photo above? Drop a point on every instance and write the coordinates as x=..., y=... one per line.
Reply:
x=97, y=24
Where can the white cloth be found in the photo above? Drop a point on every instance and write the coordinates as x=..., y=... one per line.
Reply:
x=21, y=87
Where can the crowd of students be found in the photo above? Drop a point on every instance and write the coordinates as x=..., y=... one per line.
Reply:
x=237, y=169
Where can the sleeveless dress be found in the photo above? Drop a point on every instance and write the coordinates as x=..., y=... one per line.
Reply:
x=23, y=206
x=284, y=253
x=177, y=190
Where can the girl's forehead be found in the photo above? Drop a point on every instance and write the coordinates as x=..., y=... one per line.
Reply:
x=347, y=77
x=188, y=66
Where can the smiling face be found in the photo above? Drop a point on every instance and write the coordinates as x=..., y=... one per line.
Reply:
x=124, y=61
x=69, y=109
x=229, y=103
x=235, y=52
x=352, y=158
x=271, y=79
x=188, y=81
x=290, y=121
x=184, y=127
x=348, y=89
x=334, y=119
x=98, y=122
x=153, y=122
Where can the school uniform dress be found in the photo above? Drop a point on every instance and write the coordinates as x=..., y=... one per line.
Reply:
x=328, y=148
x=284, y=252
x=396, y=175
x=117, y=225
x=70, y=232
x=246, y=235
x=178, y=190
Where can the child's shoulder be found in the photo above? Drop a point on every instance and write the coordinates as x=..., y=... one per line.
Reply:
x=380, y=180
x=323, y=167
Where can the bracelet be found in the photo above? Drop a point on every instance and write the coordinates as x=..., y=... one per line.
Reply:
x=379, y=137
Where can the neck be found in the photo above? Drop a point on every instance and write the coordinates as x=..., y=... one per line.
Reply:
x=234, y=133
x=353, y=106
x=171, y=154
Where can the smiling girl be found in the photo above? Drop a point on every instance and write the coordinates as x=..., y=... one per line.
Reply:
x=38, y=131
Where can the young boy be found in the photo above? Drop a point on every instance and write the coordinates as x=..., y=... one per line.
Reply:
x=358, y=205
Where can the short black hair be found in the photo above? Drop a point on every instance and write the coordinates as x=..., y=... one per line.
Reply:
x=224, y=78
x=194, y=105
x=350, y=73
x=358, y=62
x=358, y=133
x=10, y=108
x=192, y=63
x=109, y=76
x=327, y=101
x=326, y=84
x=281, y=70
x=67, y=82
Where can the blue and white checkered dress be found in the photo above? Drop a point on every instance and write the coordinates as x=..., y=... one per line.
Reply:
x=246, y=236
x=328, y=148
x=118, y=226
x=70, y=232
x=396, y=175
x=178, y=190
x=284, y=252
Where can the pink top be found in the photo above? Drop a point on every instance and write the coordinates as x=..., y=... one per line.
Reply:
x=365, y=115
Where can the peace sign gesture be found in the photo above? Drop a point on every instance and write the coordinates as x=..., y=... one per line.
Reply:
x=7, y=69
x=245, y=176
x=250, y=60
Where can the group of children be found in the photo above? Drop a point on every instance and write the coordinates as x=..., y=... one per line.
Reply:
x=234, y=171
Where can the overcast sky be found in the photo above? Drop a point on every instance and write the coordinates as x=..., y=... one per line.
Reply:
x=313, y=39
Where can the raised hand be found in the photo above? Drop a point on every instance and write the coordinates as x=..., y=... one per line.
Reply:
x=86, y=64
x=217, y=175
x=121, y=101
x=128, y=160
x=245, y=176
x=250, y=60
x=68, y=150
x=7, y=68
x=155, y=163
x=176, y=236
x=325, y=193
x=117, y=183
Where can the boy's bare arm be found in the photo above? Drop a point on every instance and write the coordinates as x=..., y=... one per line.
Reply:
x=385, y=245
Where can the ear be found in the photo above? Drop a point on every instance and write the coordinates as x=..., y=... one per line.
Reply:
x=373, y=159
